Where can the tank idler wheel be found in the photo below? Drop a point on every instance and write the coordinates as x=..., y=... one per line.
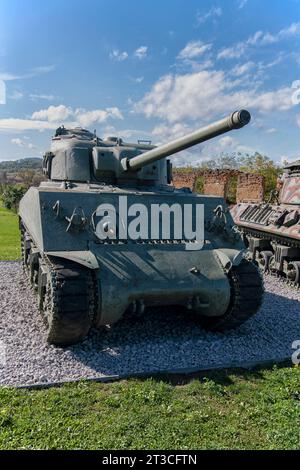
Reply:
x=263, y=259
x=247, y=291
x=68, y=302
x=293, y=272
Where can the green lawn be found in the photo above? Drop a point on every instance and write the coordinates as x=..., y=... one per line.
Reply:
x=254, y=410
x=9, y=235
x=223, y=410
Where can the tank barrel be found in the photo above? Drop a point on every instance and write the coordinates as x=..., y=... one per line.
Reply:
x=236, y=120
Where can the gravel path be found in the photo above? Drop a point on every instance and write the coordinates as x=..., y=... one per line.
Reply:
x=146, y=345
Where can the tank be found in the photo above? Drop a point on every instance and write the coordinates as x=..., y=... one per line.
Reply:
x=272, y=229
x=92, y=250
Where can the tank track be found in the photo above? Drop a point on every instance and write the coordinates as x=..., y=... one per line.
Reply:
x=247, y=290
x=67, y=297
x=68, y=304
x=286, y=241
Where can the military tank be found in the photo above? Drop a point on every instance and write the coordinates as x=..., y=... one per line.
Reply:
x=272, y=229
x=87, y=270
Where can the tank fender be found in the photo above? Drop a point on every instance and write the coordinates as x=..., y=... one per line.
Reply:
x=85, y=258
x=229, y=257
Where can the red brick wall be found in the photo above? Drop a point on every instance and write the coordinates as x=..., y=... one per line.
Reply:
x=216, y=182
x=184, y=179
x=250, y=188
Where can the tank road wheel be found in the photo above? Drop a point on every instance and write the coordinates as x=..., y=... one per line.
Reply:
x=293, y=272
x=246, y=297
x=68, y=302
x=263, y=259
x=272, y=266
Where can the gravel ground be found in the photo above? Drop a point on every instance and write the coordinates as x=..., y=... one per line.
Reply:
x=167, y=341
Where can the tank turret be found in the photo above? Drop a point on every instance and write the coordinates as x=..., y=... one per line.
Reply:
x=78, y=155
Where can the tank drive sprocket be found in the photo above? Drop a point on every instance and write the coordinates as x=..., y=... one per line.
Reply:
x=246, y=298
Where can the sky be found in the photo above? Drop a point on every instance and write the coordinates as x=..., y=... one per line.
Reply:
x=150, y=70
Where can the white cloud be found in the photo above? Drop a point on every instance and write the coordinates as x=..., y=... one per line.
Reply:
x=21, y=143
x=167, y=132
x=86, y=118
x=17, y=141
x=233, y=52
x=242, y=4
x=214, y=12
x=43, y=69
x=202, y=95
x=53, y=113
x=9, y=76
x=6, y=76
x=136, y=79
x=242, y=69
x=118, y=56
x=194, y=49
x=259, y=38
x=33, y=96
x=226, y=141
x=18, y=125
x=280, y=100
x=53, y=116
x=16, y=95
x=141, y=52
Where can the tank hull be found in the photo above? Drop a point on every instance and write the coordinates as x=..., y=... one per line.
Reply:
x=123, y=275
x=272, y=233
x=132, y=273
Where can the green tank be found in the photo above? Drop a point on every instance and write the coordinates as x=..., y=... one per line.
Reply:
x=108, y=232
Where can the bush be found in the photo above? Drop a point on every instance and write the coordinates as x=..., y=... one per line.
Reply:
x=12, y=195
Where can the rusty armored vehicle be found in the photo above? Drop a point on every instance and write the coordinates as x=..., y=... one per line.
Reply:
x=87, y=271
x=272, y=229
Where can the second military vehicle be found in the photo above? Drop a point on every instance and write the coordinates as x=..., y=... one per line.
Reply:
x=272, y=230
x=88, y=270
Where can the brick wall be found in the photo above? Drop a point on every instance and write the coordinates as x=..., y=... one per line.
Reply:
x=250, y=187
x=216, y=182
x=184, y=179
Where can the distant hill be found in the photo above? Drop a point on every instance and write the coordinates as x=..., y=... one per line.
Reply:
x=31, y=163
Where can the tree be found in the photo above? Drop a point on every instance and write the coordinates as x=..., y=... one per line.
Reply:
x=12, y=196
x=262, y=165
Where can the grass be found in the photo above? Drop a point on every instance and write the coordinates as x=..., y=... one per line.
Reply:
x=237, y=410
x=9, y=235
x=223, y=410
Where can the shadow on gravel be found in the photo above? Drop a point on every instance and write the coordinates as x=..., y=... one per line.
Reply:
x=179, y=343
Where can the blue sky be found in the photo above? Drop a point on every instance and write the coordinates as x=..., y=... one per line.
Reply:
x=151, y=69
